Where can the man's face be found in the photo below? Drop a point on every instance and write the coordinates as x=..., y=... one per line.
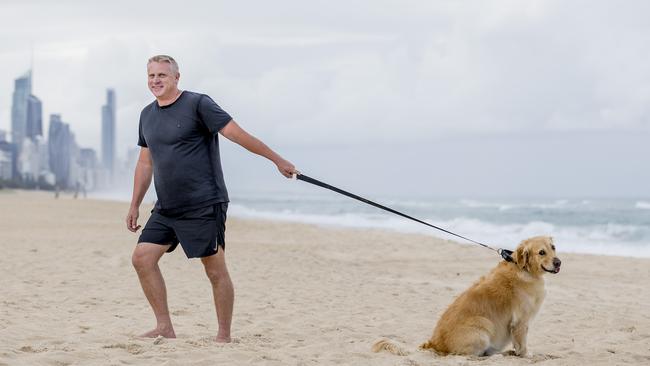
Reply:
x=162, y=80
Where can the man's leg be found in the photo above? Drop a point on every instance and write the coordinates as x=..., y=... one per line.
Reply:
x=145, y=260
x=222, y=290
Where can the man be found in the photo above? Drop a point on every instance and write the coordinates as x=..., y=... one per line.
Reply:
x=180, y=148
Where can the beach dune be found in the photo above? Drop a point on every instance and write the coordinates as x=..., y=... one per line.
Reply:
x=305, y=295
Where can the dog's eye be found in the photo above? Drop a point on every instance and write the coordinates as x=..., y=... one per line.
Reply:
x=542, y=252
x=553, y=247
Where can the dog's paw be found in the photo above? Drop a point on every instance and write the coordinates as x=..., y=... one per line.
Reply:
x=513, y=353
x=522, y=353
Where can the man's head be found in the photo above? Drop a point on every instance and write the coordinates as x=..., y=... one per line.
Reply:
x=163, y=75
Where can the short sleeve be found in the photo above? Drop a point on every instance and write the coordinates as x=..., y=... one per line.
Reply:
x=212, y=115
x=141, y=140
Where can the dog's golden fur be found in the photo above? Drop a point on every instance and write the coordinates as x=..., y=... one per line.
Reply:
x=496, y=310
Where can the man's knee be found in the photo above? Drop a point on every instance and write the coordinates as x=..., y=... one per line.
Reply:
x=216, y=274
x=215, y=267
x=146, y=256
x=140, y=261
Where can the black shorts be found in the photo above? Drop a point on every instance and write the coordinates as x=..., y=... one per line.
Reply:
x=200, y=232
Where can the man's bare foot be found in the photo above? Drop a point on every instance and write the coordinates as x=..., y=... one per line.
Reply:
x=165, y=332
x=221, y=339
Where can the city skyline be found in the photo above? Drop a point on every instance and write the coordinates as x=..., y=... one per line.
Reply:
x=26, y=119
x=32, y=159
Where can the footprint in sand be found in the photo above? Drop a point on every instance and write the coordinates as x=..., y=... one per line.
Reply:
x=131, y=348
x=201, y=342
x=210, y=342
x=409, y=362
x=542, y=357
x=30, y=349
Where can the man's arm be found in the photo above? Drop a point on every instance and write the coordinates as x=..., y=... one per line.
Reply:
x=141, y=182
x=236, y=134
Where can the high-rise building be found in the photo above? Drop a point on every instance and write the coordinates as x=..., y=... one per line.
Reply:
x=6, y=157
x=60, y=146
x=34, y=122
x=33, y=159
x=88, y=166
x=74, y=173
x=19, y=107
x=26, y=123
x=108, y=132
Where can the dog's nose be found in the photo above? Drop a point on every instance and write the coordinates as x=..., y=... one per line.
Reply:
x=557, y=262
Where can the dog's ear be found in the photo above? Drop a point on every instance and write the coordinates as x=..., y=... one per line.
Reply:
x=521, y=257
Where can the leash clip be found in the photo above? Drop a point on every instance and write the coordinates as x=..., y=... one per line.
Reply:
x=506, y=254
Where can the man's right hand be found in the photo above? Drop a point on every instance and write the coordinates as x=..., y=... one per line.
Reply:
x=132, y=219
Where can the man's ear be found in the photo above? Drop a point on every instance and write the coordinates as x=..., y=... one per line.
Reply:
x=521, y=257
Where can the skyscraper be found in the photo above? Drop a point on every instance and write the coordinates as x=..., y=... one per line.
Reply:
x=60, y=146
x=108, y=132
x=88, y=168
x=34, y=122
x=19, y=108
x=6, y=154
x=26, y=123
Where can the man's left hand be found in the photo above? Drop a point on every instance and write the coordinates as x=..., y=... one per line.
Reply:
x=286, y=168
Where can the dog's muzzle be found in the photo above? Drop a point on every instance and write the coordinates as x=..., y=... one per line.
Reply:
x=556, y=266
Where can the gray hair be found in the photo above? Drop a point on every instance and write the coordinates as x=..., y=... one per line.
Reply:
x=164, y=58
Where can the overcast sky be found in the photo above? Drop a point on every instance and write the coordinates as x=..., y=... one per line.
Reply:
x=528, y=98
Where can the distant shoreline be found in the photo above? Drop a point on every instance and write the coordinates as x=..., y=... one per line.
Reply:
x=400, y=225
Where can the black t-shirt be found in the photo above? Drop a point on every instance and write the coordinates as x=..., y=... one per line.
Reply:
x=183, y=139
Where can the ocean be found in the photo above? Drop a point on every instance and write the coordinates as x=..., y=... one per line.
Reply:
x=586, y=225
x=610, y=226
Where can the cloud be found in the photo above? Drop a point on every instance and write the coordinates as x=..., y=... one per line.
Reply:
x=340, y=72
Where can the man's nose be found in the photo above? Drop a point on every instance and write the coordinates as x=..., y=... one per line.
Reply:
x=557, y=262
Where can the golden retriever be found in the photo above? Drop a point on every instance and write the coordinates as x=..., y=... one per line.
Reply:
x=496, y=310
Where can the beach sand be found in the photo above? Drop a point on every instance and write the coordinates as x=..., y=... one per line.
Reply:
x=305, y=295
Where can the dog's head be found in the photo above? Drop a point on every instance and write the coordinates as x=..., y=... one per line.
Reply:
x=537, y=256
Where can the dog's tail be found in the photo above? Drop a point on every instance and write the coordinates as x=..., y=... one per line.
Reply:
x=385, y=344
x=428, y=345
x=431, y=346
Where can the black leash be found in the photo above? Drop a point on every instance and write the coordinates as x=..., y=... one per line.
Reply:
x=504, y=253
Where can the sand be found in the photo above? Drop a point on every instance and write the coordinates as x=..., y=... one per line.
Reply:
x=305, y=295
